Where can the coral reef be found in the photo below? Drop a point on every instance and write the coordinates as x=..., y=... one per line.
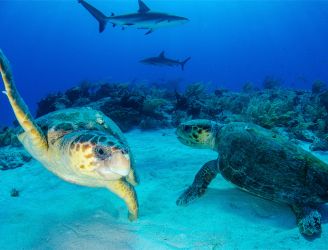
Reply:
x=271, y=82
x=318, y=87
x=302, y=114
x=13, y=157
x=8, y=137
x=298, y=114
x=319, y=145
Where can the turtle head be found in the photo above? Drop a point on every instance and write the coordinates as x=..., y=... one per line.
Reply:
x=99, y=154
x=198, y=133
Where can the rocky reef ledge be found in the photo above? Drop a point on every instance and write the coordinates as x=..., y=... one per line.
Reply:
x=298, y=114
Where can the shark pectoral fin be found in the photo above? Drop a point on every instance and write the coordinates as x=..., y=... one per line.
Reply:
x=143, y=8
x=149, y=31
x=102, y=26
x=184, y=62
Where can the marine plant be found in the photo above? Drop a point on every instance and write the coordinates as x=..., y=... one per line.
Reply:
x=271, y=109
x=152, y=106
x=195, y=90
x=248, y=87
x=271, y=82
x=318, y=87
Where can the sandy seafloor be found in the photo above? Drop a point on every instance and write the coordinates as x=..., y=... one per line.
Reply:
x=53, y=214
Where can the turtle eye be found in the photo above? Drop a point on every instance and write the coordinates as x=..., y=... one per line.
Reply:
x=124, y=151
x=102, y=152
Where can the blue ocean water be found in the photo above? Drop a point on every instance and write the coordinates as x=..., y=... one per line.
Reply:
x=54, y=45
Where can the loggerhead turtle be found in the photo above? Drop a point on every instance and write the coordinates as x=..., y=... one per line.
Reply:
x=79, y=145
x=261, y=163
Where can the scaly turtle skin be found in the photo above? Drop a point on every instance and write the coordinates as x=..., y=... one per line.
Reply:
x=80, y=145
x=261, y=163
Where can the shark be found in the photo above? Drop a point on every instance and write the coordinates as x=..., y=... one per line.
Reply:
x=143, y=19
x=161, y=60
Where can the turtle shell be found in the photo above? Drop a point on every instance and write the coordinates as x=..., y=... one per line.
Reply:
x=67, y=120
x=58, y=123
x=270, y=166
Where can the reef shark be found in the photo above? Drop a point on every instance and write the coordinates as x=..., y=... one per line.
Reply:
x=143, y=19
x=161, y=60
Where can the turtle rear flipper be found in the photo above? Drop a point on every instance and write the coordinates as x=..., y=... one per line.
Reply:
x=308, y=220
x=202, y=179
x=20, y=109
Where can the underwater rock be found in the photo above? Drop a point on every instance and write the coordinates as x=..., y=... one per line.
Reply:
x=181, y=102
x=220, y=92
x=126, y=118
x=78, y=92
x=304, y=135
x=14, y=192
x=319, y=145
x=13, y=157
x=323, y=98
x=179, y=117
x=318, y=87
x=136, y=102
x=52, y=103
x=8, y=137
x=112, y=90
x=150, y=123
x=248, y=87
x=271, y=82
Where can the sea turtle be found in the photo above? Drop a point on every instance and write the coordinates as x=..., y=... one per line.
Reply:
x=79, y=145
x=262, y=163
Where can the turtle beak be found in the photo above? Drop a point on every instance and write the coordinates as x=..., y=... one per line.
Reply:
x=115, y=167
x=120, y=164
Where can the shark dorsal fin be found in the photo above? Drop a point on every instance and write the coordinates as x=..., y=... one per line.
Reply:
x=162, y=54
x=142, y=7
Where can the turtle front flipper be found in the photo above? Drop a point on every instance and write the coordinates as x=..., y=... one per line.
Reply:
x=133, y=178
x=20, y=109
x=308, y=220
x=126, y=191
x=202, y=179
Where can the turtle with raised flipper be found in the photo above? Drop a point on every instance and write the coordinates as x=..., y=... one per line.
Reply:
x=261, y=163
x=79, y=145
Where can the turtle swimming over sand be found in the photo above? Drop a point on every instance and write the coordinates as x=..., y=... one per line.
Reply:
x=79, y=145
x=262, y=163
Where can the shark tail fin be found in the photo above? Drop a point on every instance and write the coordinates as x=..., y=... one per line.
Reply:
x=101, y=18
x=184, y=62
